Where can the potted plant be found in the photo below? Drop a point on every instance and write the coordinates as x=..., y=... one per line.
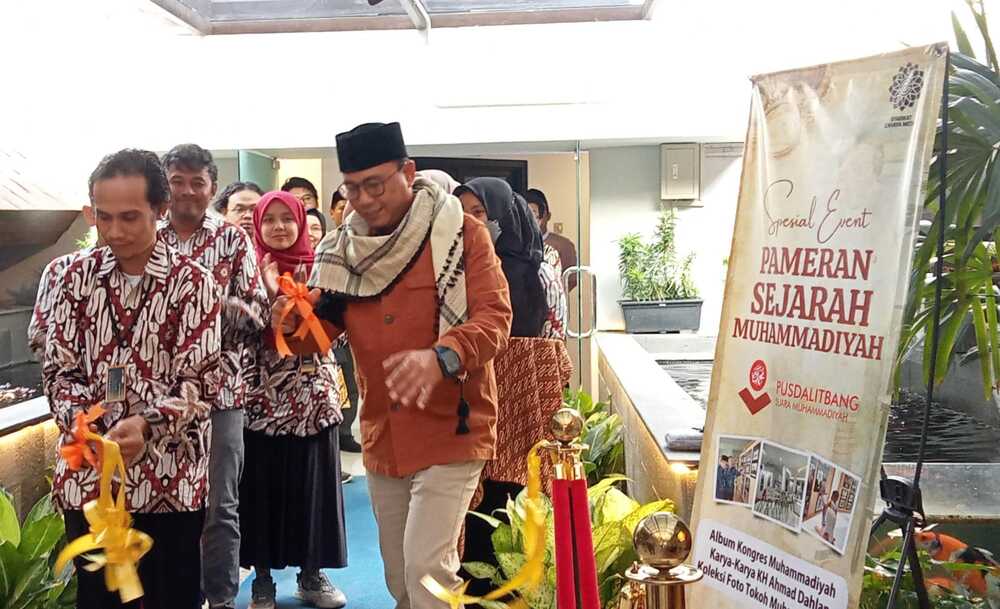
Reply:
x=659, y=294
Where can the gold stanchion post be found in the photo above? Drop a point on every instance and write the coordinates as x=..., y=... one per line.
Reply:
x=565, y=452
x=663, y=542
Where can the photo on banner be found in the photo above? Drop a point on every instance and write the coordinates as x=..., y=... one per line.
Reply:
x=736, y=470
x=831, y=496
x=781, y=485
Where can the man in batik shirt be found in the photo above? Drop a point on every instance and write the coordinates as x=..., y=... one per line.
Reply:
x=135, y=326
x=227, y=252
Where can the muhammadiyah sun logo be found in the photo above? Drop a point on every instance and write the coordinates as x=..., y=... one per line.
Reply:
x=906, y=86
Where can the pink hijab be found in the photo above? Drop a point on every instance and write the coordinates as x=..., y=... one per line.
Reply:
x=300, y=252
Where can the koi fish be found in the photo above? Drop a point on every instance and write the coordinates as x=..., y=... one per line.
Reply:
x=984, y=583
x=941, y=547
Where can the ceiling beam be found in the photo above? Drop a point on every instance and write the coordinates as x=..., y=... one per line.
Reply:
x=419, y=15
x=181, y=11
x=647, y=9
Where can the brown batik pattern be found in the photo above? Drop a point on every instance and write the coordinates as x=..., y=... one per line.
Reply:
x=171, y=359
x=228, y=254
x=286, y=398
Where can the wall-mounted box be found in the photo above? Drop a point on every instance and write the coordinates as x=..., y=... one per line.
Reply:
x=680, y=172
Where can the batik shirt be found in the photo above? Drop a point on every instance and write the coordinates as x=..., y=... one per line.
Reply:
x=555, y=299
x=43, y=302
x=226, y=251
x=298, y=395
x=552, y=257
x=164, y=331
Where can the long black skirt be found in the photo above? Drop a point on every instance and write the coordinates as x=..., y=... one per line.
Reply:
x=292, y=502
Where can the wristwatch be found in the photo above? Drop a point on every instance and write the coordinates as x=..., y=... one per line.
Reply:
x=449, y=362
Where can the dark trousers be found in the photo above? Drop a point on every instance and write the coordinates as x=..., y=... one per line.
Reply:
x=170, y=572
x=345, y=359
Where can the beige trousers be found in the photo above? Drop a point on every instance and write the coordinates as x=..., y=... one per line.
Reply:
x=419, y=519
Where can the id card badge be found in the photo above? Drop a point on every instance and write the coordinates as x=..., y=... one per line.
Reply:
x=115, y=390
x=308, y=364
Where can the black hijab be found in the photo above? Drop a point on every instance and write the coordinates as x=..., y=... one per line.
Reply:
x=519, y=247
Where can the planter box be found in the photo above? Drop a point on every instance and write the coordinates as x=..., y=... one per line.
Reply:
x=655, y=316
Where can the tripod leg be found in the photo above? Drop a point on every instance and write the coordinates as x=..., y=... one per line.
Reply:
x=875, y=526
x=918, y=573
x=907, y=550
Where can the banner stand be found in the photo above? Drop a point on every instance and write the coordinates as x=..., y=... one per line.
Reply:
x=832, y=191
x=904, y=501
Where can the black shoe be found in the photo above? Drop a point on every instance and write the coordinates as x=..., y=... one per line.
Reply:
x=345, y=477
x=349, y=444
x=262, y=594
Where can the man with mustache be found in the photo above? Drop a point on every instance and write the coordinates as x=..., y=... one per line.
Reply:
x=227, y=253
x=417, y=286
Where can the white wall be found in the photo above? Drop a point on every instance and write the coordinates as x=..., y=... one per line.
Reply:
x=99, y=75
x=625, y=197
x=229, y=170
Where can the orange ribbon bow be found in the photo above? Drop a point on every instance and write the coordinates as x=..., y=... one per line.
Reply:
x=299, y=299
x=79, y=450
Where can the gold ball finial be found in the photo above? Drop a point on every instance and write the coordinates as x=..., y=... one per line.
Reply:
x=566, y=425
x=662, y=540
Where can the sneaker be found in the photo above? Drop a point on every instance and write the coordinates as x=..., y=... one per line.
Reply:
x=349, y=445
x=262, y=593
x=316, y=590
x=345, y=477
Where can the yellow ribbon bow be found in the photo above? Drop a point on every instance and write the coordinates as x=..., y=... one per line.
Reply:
x=531, y=572
x=298, y=294
x=110, y=529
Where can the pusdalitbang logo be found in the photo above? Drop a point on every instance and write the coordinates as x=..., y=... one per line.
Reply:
x=758, y=379
x=906, y=86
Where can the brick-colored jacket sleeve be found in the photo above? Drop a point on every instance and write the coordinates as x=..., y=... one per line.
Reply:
x=485, y=334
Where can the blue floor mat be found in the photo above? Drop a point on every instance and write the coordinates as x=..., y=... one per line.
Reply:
x=362, y=581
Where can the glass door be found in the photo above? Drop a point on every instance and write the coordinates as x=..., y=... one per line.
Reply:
x=580, y=283
x=259, y=168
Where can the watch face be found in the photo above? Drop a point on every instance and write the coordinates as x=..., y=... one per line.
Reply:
x=450, y=360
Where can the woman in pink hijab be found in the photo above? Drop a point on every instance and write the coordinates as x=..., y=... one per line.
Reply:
x=291, y=498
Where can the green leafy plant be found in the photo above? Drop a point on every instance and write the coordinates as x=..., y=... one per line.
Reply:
x=27, y=555
x=88, y=240
x=613, y=518
x=972, y=219
x=880, y=571
x=651, y=270
x=603, y=433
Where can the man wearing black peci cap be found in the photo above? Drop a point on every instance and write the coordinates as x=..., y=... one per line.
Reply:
x=417, y=286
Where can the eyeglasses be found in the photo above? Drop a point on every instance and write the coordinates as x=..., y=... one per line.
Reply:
x=373, y=187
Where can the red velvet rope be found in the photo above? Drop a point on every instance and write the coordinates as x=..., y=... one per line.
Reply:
x=576, y=571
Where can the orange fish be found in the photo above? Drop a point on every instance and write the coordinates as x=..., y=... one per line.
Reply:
x=944, y=548
x=975, y=581
x=941, y=582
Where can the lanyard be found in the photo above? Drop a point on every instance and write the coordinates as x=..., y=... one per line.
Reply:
x=124, y=337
